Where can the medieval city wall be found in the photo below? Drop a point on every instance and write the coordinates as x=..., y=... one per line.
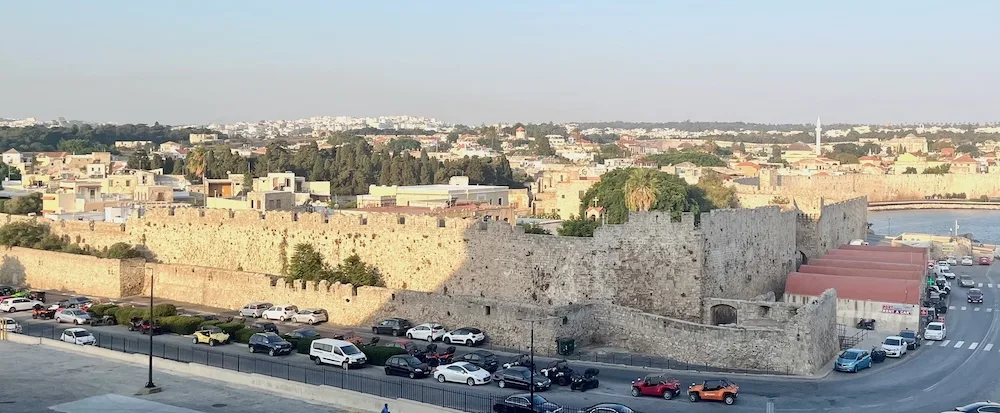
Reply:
x=84, y=274
x=890, y=187
x=748, y=252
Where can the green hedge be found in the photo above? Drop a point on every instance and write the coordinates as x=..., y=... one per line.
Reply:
x=377, y=355
x=210, y=323
x=164, y=310
x=100, y=310
x=301, y=345
x=180, y=324
x=232, y=328
x=243, y=336
x=125, y=314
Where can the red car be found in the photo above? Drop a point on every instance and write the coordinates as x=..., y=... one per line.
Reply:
x=656, y=385
x=985, y=261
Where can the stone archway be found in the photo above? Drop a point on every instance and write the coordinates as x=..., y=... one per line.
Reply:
x=723, y=314
x=800, y=259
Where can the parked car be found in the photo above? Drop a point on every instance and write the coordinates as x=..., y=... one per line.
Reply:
x=943, y=266
x=74, y=302
x=393, y=326
x=269, y=343
x=11, y=305
x=426, y=331
x=853, y=360
x=482, y=358
x=716, y=390
x=656, y=385
x=72, y=315
x=978, y=407
x=302, y=333
x=461, y=372
x=519, y=403
x=608, y=408
x=912, y=339
x=935, y=331
x=975, y=296
x=469, y=336
x=280, y=312
x=11, y=325
x=336, y=352
x=894, y=346
x=255, y=309
x=952, y=261
x=265, y=326
x=409, y=346
x=406, y=365
x=311, y=316
x=211, y=335
x=78, y=336
x=965, y=280
x=931, y=264
x=985, y=260
x=948, y=275
x=521, y=378
x=967, y=260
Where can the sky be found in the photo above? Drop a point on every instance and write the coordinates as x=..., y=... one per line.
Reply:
x=197, y=62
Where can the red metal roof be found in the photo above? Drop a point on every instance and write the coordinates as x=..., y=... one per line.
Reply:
x=878, y=256
x=855, y=288
x=866, y=272
x=826, y=261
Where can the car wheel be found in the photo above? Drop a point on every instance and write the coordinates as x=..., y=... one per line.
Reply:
x=412, y=375
x=395, y=333
x=317, y=361
x=76, y=322
x=211, y=343
x=729, y=399
x=252, y=350
x=374, y=330
x=635, y=392
x=194, y=340
x=447, y=340
x=470, y=382
x=270, y=352
x=667, y=395
x=440, y=378
x=58, y=320
x=10, y=310
x=409, y=336
x=282, y=318
x=346, y=365
x=501, y=384
x=693, y=397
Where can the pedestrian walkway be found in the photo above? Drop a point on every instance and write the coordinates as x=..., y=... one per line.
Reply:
x=957, y=344
x=971, y=307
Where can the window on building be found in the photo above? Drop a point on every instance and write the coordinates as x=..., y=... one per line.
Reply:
x=277, y=204
x=499, y=201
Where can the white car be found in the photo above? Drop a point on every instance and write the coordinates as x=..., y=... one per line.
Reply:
x=280, y=312
x=967, y=260
x=952, y=261
x=943, y=266
x=948, y=274
x=72, y=315
x=466, y=335
x=78, y=336
x=11, y=305
x=426, y=331
x=11, y=325
x=310, y=316
x=461, y=372
x=894, y=346
x=935, y=331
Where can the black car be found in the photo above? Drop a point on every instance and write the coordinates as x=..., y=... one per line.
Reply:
x=520, y=377
x=265, y=326
x=975, y=296
x=302, y=333
x=270, y=343
x=483, y=359
x=518, y=403
x=406, y=365
x=911, y=338
x=609, y=408
x=73, y=302
x=980, y=407
x=394, y=326
x=6, y=290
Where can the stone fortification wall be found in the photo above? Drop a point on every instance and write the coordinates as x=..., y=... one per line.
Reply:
x=70, y=272
x=747, y=252
x=890, y=187
x=801, y=345
x=836, y=224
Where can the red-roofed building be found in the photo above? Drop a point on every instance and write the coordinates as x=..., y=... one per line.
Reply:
x=964, y=165
x=748, y=168
x=869, y=160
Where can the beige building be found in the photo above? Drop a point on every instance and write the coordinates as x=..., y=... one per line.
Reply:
x=261, y=201
x=907, y=144
x=74, y=196
x=199, y=138
x=559, y=190
x=797, y=152
x=153, y=194
x=170, y=146
x=456, y=191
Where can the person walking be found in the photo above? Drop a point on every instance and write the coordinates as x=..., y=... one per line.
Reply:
x=385, y=409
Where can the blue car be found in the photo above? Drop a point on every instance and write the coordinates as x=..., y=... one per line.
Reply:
x=853, y=360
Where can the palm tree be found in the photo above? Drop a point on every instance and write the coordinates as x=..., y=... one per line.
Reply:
x=196, y=162
x=641, y=189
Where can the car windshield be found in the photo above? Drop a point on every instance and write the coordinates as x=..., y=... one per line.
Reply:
x=934, y=327
x=307, y=332
x=908, y=334
x=965, y=277
x=413, y=361
x=73, y=312
x=212, y=329
x=471, y=367
x=350, y=349
x=891, y=341
x=539, y=400
x=274, y=339
x=82, y=333
x=850, y=354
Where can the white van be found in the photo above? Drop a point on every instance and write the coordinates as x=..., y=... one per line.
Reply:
x=859, y=242
x=337, y=352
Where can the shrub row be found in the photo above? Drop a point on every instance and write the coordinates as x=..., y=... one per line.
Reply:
x=243, y=335
x=180, y=324
x=100, y=310
x=125, y=314
x=377, y=355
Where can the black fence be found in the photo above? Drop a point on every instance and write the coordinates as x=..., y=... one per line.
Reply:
x=316, y=375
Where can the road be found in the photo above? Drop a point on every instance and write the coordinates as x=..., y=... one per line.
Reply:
x=936, y=377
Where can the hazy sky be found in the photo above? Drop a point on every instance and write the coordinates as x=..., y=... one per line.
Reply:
x=487, y=61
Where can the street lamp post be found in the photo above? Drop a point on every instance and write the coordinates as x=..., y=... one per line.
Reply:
x=531, y=383
x=150, y=388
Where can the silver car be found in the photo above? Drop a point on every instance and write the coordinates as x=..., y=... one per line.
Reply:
x=965, y=280
x=72, y=315
x=255, y=310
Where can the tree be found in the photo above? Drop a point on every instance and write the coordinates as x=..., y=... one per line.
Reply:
x=156, y=161
x=775, y=154
x=9, y=171
x=578, y=227
x=534, y=229
x=641, y=189
x=713, y=193
x=698, y=158
x=671, y=194
x=405, y=144
x=121, y=250
x=543, y=147
x=356, y=272
x=22, y=234
x=139, y=160
x=24, y=205
x=910, y=170
x=938, y=170
x=970, y=149
x=307, y=264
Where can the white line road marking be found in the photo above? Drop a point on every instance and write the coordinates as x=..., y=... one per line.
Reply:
x=959, y=344
x=964, y=308
x=980, y=285
x=988, y=347
x=951, y=307
x=989, y=285
x=977, y=309
x=945, y=343
x=973, y=346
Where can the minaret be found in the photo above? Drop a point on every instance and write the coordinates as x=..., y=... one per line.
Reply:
x=819, y=132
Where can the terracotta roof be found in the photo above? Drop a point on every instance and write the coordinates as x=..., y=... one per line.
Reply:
x=868, y=158
x=53, y=154
x=822, y=174
x=856, y=288
x=964, y=159
x=520, y=128
x=12, y=150
x=750, y=164
x=799, y=146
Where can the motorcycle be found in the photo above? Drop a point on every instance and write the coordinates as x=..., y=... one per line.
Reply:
x=434, y=359
x=523, y=360
x=878, y=355
x=866, y=324
x=587, y=381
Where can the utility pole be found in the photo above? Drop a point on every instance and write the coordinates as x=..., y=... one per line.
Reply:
x=531, y=384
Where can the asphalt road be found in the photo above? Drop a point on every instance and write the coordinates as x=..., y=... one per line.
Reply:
x=935, y=378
